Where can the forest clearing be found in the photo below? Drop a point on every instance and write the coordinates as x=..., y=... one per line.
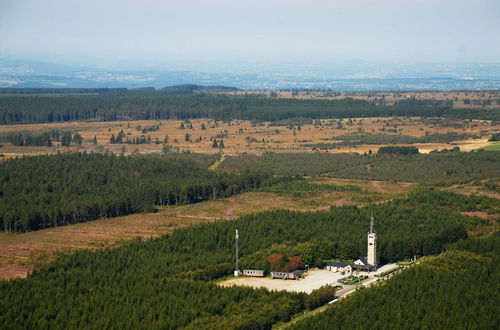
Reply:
x=313, y=279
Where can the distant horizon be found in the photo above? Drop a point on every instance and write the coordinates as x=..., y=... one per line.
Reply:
x=222, y=87
x=228, y=65
x=274, y=44
x=341, y=76
x=116, y=31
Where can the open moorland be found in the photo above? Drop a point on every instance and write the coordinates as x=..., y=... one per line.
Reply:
x=237, y=136
x=208, y=119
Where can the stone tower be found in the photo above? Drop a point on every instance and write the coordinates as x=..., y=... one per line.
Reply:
x=372, y=245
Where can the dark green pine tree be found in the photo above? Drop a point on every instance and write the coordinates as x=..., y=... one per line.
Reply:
x=77, y=139
x=66, y=139
x=120, y=137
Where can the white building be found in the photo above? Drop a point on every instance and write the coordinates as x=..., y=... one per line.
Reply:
x=366, y=264
x=342, y=267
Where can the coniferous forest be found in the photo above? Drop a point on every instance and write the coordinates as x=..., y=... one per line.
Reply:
x=65, y=189
x=71, y=188
x=113, y=105
x=436, y=167
x=166, y=282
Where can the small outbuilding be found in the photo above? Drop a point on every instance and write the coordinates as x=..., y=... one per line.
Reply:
x=295, y=275
x=254, y=272
x=342, y=267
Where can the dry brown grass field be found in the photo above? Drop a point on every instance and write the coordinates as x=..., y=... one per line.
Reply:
x=243, y=136
x=21, y=253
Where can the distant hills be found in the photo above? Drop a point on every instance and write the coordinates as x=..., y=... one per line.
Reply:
x=19, y=90
x=175, y=89
x=192, y=88
x=347, y=76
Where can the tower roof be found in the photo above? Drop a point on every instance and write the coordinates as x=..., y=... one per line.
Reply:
x=372, y=230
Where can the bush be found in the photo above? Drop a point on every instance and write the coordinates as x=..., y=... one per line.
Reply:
x=319, y=297
x=395, y=150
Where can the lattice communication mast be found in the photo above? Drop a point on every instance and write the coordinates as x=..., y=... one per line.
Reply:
x=237, y=266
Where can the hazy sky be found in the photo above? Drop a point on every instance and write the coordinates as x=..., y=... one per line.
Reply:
x=270, y=30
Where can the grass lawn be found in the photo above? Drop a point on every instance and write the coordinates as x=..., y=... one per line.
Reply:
x=492, y=147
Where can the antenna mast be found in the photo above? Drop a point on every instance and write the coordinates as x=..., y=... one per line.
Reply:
x=371, y=224
x=237, y=267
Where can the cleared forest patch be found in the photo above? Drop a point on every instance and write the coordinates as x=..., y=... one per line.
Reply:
x=20, y=253
x=487, y=187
